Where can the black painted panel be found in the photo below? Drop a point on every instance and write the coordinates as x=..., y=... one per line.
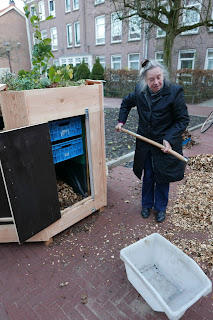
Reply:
x=26, y=156
x=4, y=206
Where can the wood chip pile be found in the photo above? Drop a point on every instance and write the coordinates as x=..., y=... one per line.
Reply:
x=67, y=197
x=193, y=209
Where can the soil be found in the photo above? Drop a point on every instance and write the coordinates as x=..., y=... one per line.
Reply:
x=119, y=143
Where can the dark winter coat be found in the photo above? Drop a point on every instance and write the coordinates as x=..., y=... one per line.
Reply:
x=163, y=116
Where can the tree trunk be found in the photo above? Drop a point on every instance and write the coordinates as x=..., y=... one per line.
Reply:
x=167, y=51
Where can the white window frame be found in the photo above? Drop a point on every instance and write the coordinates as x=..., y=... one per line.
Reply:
x=99, y=37
x=67, y=6
x=114, y=56
x=102, y=61
x=206, y=67
x=185, y=59
x=75, y=5
x=116, y=27
x=69, y=35
x=133, y=61
x=54, y=38
x=156, y=56
x=51, y=12
x=43, y=34
x=77, y=34
x=99, y=1
x=41, y=10
x=134, y=27
x=194, y=3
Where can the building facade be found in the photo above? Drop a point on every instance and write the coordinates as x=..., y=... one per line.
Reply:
x=14, y=45
x=86, y=29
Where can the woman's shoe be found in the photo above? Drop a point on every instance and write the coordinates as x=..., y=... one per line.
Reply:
x=160, y=216
x=145, y=212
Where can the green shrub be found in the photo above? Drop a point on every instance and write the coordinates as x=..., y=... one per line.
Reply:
x=82, y=72
x=97, y=71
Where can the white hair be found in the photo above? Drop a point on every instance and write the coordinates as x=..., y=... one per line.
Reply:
x=151, y=64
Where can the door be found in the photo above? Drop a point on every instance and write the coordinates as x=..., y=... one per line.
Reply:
x=29, y=179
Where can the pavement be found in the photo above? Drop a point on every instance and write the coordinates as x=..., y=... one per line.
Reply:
x=81, y=276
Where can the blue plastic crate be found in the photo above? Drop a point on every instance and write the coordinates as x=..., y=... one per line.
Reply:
x=67, y=150
x=65, y=128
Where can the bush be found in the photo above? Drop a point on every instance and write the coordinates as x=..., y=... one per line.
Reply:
x=82, y=72
x=197, y=84
x=120, y=82
x=97, y=71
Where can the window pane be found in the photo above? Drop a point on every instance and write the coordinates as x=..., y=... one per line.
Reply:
x=77, y=33
x=75, y=4
x=134, y=27
x=116, y=27
x=100, y=30
x=67, y=5
x=69, y=35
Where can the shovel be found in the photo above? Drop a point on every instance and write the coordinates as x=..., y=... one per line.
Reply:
x=154, y=143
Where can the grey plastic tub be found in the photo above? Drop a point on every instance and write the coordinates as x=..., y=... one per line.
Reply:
x=168, y=279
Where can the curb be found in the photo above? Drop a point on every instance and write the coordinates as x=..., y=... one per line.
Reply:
x=130, y=156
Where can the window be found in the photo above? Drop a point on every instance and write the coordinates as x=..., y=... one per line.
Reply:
x=52, y=7
x=41, y=10
x=159, y=56
x=102, y=61
x=43, y=34
x=161, y=33
x=186, y=59
x=69, y=35
x=75, y=4
x=54, y=38
x=191, y=16
x=77, y=33
x=134, y=27
x=35, y=40
x=211, y=28
x=100, y=30
x=99, y=1
x=133, y=61
x=32, y=10
x=67, y=6
x=116, y=62
x=116, y=27
x=56, y=62
x=209, y=59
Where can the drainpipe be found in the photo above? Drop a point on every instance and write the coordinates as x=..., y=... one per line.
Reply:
x=29, y=41
x=145, y=40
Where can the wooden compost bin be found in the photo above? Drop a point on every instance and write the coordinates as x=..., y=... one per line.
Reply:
x=28, y=187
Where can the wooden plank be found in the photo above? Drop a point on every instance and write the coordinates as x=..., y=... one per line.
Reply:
x=26, y=157
x=14, y=109
x=57, y=103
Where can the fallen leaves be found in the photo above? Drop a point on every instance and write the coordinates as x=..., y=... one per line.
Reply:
x=66, y=195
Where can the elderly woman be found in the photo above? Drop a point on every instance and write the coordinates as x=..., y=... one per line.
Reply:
x=163, y=117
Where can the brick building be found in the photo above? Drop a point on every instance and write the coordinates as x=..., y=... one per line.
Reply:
x=90, y=28
x=14, y=45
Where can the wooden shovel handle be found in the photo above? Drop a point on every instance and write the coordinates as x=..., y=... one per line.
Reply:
x=154, y=143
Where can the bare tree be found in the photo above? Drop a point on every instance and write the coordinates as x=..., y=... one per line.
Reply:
x=173, y=17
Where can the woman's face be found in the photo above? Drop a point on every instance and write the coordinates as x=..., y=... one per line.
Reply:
x=154, y=79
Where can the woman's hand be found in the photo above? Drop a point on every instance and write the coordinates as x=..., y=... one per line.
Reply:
x=119, y=126
x=167, y=146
